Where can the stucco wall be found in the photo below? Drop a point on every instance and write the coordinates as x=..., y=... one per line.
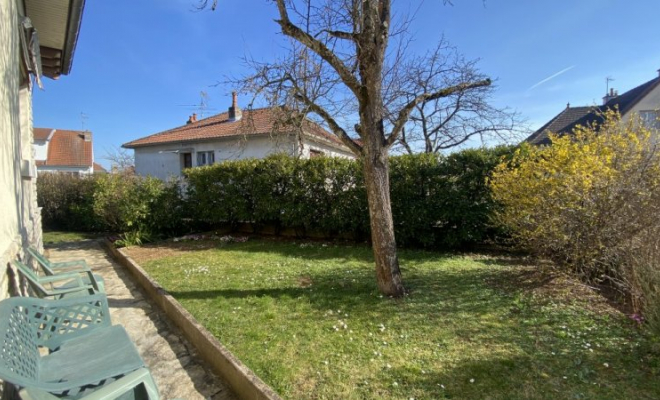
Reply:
x=650, y=102
x=327, y=150
x=20, y=222
x=164, y=161
x=40, y=150
x=73, y=170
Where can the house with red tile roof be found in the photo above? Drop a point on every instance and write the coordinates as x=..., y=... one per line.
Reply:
x=59, y=150
x=233, y=135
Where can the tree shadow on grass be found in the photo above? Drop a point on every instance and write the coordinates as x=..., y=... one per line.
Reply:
x=432, y=293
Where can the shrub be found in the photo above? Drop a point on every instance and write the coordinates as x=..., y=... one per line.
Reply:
x=436, y=200
x=318, y=194
x=143, y=207
x=444, y=200
x=67, y=201
x=589, y=202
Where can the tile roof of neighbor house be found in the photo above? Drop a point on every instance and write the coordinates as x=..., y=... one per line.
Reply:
x=260, y=121
x=98, y=168
x=41, y=133
x=67, y=148
x=571, y=117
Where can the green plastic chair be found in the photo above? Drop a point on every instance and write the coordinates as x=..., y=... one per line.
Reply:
x=54, y=268
x=87, y=357
x=60, y=285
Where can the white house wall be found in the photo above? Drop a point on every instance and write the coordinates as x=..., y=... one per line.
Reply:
x=252, y=147
x=650, y=102
x=163, y=161
x=158, y=161
x=20, y=223
x=325, y=148
x=70, y=170
x=40, y=150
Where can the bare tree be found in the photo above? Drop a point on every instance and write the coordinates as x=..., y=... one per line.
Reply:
x=121, y=160
x=441, y=123
x=337, y=69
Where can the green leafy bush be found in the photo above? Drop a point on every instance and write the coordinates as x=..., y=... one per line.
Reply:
x=67, y=202
x=444, y=200
x=436, y=200
x=139, y=208
x=143, y=207
x=320, y=194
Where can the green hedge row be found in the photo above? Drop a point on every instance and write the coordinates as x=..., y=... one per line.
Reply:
x=437, y=201
x=67, y=203
x=122, y=203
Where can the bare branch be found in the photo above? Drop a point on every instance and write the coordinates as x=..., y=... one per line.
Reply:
x=292, y=30
x=408, y=108
x=338, y=34
x=334, y=126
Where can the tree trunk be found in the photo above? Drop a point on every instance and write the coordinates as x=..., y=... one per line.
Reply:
x=376, y=174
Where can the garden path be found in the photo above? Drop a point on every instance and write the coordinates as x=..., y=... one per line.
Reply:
x=178, y=371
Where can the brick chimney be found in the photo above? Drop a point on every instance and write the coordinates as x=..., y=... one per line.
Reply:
x=192, y=118
x=234, y=111
x=609, y=96
x=87, y=135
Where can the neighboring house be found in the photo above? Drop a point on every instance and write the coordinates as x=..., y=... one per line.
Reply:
x=36, y=37
x=643, y=100
x=232, y=135
x=98, y=169
x=57, y=150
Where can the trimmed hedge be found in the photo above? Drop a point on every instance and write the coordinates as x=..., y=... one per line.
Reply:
x=67, y=202
x=119, y=203
x=437, y=201
x=320, y=194
x=443, y=201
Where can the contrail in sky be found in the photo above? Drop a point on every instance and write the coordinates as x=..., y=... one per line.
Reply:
x=551, y=77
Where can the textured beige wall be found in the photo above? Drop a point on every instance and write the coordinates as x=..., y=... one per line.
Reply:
x=651, y=102
x=20, y=221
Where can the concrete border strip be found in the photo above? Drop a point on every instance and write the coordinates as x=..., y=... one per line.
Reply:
x=245, y=384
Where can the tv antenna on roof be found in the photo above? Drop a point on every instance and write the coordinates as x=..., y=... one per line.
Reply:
x=83, y=118
x=607, y=84
x=203, y=105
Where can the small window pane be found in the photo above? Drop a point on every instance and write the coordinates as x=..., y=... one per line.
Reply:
x=205, y=158
x=650, y=119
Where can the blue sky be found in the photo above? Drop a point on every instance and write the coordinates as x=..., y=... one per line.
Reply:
x=137, y=62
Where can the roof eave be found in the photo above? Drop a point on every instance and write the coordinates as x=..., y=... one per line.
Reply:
x=56, y=51
x=327, y=141
x=76, y=8
x=200, y=140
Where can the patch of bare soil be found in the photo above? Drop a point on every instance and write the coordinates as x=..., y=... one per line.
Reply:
x=154, y=251
x=545, y=281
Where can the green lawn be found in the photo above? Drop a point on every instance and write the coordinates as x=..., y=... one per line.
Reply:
x=53, y=237
x=307, y=319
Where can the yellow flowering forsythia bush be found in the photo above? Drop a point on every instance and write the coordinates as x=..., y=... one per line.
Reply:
x=591, y=203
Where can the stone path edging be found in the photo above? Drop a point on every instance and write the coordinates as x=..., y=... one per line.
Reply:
x=245, y=384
